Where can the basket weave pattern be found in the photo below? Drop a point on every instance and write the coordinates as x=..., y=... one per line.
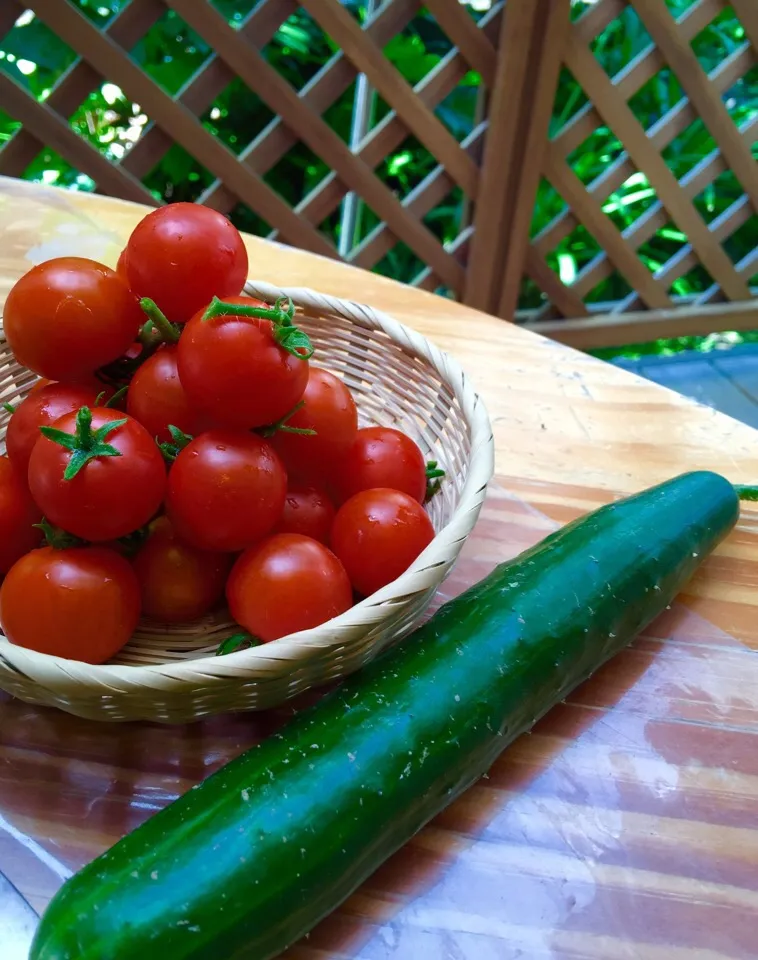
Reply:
x=169, y=673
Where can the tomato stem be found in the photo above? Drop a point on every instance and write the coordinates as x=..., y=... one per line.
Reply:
x=85, y=443
x=117, y=396
x=281, y=425
x=434, y=475
x=171, y=448
x=220, y=308
x=238, y=641
x=9, y=407
x=168, y=331
x=746, y=492
x=57, y=538
x=287, y=335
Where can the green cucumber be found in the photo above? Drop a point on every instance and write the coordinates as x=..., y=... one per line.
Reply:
x=249, y=861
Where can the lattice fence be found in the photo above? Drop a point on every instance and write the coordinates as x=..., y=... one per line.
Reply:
x=623, y=219
x=409, y=116
x=651, y=216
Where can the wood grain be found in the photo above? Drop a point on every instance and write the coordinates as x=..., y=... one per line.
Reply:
x=625, y=825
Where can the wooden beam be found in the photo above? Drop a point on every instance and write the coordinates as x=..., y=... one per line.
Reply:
x=618, y=329
x=552, y=36
x=518, y=68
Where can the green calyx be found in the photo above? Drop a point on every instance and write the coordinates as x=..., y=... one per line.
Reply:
x=9, y=407
x=58, y=538
x=118, y=395
x=282, y=314
x=434, y=475
x=281, y=425
x=85, y=443
x=746, y=492
x=157, y=322
x=239, y=641
x=171, y=448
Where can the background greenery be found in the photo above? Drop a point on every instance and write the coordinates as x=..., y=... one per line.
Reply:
x=171, y=53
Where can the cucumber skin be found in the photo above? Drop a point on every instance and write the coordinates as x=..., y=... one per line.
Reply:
x=248, y=861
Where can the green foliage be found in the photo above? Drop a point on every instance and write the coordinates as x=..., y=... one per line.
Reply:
x=171, y=54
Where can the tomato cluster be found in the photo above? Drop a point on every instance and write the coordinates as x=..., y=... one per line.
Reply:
x=180, y=448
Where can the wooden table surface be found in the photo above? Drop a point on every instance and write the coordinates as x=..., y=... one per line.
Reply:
x=624, y=826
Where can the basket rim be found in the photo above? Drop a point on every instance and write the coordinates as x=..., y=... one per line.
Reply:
x=481, y=469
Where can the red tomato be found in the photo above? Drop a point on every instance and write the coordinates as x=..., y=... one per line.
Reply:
x=232, y=368
x=285, y=584
x=67, y=317
x=39, y=409
x=18, y=514
x=178, y=582
x=225, y=490
x=110, y=496
x=81, y=603
x=121, y=266
x=157, y=398
x=377, y=535
x=382, y=457
x=330, y=410
x=309, y=511
x=182, y=255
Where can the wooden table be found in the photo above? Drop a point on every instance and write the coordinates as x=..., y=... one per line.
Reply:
x=624, y=826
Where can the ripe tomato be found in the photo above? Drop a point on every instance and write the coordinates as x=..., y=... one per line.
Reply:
x=382, y=457
x=18, y=514
x=308, y=511
x=225, y=490
x=178, y=582
x=285, y=584
x=81, y=603
x=157, y=398
x=232, y=368
x=182, y=255
x=68, y=316
x=121, y=265
x=112, y=494
x=39, y=409
x=330, y=410
x=378, y=534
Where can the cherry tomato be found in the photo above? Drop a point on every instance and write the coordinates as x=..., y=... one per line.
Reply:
x=80, y=603
x=382, y=457
x=67, y=317
x=226, y=490
x=121, y=266
x=232, y=368
x=111, y=495
x=39, y=409
x=309, y=511
x=330, y=410
x=285, y=584
x=182, y=255
x=157, y=398
x=377, y=534
x=18, y=514
x=178, y=582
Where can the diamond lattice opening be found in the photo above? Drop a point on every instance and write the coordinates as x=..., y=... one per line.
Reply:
x=171, y=52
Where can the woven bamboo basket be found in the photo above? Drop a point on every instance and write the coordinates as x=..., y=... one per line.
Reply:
x=170, y=673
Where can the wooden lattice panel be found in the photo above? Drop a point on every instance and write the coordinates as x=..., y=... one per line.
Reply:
x=673, y=206
x=239, y=176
